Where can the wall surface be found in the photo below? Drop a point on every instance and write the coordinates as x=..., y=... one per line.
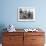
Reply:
x=8, y=13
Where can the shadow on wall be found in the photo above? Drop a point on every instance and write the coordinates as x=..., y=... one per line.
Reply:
x=2, y=26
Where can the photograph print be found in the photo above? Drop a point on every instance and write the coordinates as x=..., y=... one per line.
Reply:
x=26, y=14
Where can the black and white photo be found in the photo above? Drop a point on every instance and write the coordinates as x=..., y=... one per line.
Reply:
x=26, y=14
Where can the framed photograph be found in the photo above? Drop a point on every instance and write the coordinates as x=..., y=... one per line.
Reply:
x=26, y=14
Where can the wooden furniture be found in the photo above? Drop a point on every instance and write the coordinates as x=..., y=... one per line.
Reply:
x=23, y=39
x=34, y=39
x=13, y=39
